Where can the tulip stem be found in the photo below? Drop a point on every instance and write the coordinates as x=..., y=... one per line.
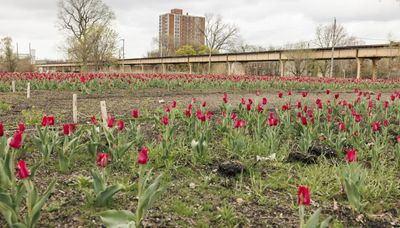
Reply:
x=301, y=214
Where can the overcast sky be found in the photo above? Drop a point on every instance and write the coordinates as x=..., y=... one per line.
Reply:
x=261, y=22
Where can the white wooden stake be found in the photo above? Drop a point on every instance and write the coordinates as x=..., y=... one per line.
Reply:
x=28, y=91
x=103, y=109
x=75, y=108
x=13, y=86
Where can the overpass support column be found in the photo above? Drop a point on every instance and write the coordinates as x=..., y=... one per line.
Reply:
x=190, y=68
x=229, y=66
x=282, y=64
x=374, y=69
x=359, y=63
x=163, y=68
x=142, y=67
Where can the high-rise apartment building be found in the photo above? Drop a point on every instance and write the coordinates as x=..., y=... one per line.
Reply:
x=177, y=30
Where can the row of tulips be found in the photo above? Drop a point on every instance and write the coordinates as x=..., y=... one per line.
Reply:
x=107, y=81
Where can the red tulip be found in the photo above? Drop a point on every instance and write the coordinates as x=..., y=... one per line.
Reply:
x=204, y=104
x=16, y=140
x=190, y=106
x=188, y=113
x=280, y=94
x=264, y=101
x=342, y=127
x=135, y=113
x=1, y=129
x=165, y=120
x=386, y=104
x=386, y=123
x=173, y=104
x=329, y=118
x=398, y=139
x=233, y=116
x=257, y=93
x=337, y=96
x=358, y=118
x=242, y=123
x=225, y=98
x=83, y=79
x=375, y=126
x=93, y=119
x=250, y=101
x=65, y=129
x=44, y=121
x=143, y=156
x=351, y=155
x=286, y=107
x=370, y=104
x=21, y=127
x=304, y=121
x=304, y=94
x=120, y=125
x=237, y=123
x=260, y=108
x=110, y=121
x=51, y=120
x=72, y=128
x=243, y=101
x=248, y=106
x=167, y=108
x=298, y=105
x=303, y=195
x=23, y=171
x=328, y=91
x=208, y=115
x=289, y=92
x=102, y=159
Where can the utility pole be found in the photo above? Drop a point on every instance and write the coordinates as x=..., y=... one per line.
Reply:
x=333, y=45
x=17, y=52
x=123, y=55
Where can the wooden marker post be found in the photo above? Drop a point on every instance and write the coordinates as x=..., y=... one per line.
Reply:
x=75, y=108
x=103, y=110
x=13, y=86
x=28, y=91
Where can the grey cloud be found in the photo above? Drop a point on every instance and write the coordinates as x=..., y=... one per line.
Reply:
x=261, y=22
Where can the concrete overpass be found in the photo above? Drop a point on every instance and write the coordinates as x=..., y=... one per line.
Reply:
x=358, y=53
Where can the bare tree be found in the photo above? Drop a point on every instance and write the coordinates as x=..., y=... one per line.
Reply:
x=240, y=46
x=327, y=36
x=218, y=35
x=9, y=59
x=163, y=47
x=299, y=53
x=86, y=23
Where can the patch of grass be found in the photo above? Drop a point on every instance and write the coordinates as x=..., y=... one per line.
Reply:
x=228, y=215
x=180, y=208
x=4, y=107
x=32, y=117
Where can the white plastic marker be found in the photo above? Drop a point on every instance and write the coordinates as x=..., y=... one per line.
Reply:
x=28, y=91
x=103, y=109
x=75, y=108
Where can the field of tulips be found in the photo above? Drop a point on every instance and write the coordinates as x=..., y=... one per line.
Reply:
x=198, y=151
